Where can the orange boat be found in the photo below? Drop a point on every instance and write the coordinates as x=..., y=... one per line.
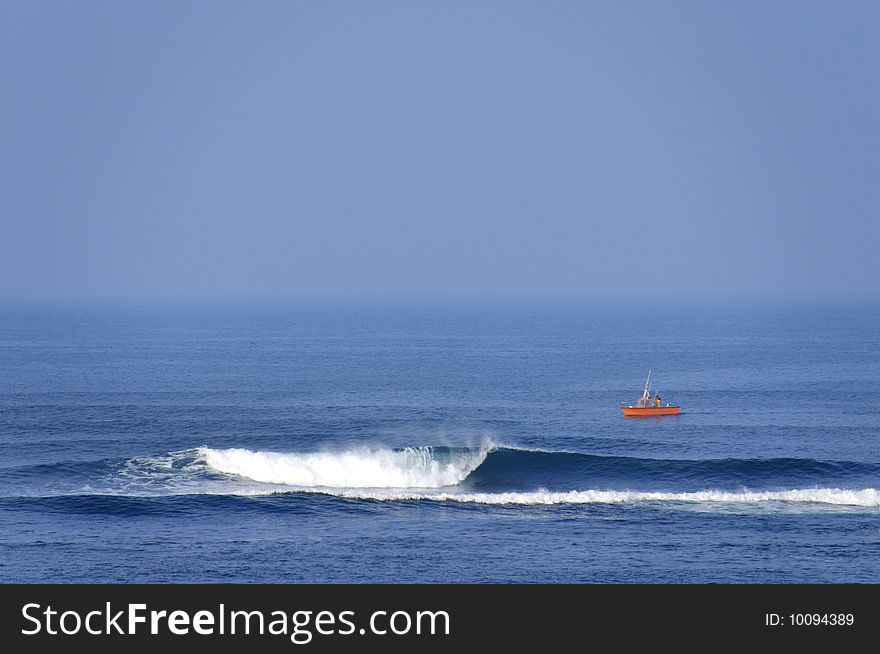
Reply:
x=648, y=405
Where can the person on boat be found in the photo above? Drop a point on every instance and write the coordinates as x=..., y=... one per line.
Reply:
x=658, y=400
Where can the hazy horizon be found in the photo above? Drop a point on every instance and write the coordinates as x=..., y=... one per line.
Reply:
x=392, y=151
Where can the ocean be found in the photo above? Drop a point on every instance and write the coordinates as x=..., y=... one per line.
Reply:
x=439, y=442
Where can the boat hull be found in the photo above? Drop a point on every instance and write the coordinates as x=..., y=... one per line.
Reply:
x=647, y=411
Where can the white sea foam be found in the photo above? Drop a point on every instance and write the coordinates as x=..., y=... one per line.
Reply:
x=868, y=497
x=412, y=467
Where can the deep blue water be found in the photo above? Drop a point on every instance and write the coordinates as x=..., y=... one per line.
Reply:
x=457, y=442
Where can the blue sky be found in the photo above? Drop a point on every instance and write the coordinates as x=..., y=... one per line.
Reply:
x=384, y=149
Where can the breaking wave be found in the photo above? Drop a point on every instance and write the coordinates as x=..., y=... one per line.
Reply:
x=501, y=475
x=411, y=467
x=492, y=475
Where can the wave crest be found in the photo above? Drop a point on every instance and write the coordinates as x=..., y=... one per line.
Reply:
x=411, y=467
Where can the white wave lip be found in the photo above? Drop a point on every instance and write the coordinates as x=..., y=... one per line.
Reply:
x=868, y=497
x=412, y=467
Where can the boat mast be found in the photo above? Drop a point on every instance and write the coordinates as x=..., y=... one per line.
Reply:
x=647, y=385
